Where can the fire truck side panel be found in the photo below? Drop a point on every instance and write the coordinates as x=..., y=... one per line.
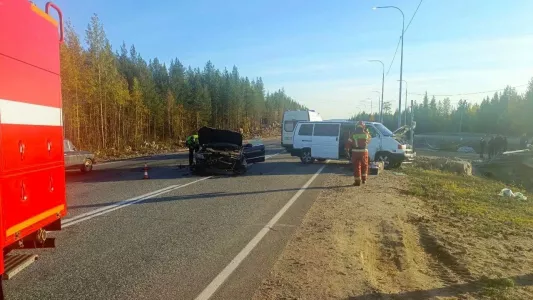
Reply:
x=43, y=89
x=32, y=36
x=32, y=171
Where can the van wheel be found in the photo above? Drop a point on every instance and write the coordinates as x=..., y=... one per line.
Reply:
x=385, y=159
x=306, y=157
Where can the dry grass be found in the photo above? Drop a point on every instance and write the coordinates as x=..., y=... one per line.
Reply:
x=471, y=197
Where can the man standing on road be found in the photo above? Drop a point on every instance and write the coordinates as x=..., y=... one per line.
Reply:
x=482, y=146
x=192, y=143
x=491, y=147
x=358, y=142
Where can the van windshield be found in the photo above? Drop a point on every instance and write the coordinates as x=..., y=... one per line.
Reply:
x=384, y=130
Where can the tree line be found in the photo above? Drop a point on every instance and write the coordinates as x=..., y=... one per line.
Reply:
x=117, y=99
x=506, y=112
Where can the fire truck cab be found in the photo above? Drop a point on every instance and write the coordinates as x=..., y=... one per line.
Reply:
x=32, y=172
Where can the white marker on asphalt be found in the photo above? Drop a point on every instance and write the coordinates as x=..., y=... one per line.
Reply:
x=230, y=268
x=107, y=209
x=124, y=203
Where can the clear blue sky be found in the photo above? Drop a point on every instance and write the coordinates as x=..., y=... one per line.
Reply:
x=318, y=50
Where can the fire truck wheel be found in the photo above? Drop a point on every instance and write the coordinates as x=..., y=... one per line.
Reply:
x=87, y=166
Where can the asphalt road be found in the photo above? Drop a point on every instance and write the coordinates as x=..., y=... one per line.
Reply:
x=172, y=243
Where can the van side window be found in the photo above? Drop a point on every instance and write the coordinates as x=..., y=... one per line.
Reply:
x=326, y=130
x=373, y=132
x=306, y=130
x=289, y=125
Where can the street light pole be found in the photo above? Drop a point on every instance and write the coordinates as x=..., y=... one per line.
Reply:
x=405, y=100
x=382, y=88
x=401, y=64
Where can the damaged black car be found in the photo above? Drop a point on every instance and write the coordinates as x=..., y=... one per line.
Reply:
x=223, y=152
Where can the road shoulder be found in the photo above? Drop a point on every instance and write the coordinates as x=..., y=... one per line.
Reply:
x=379, y=241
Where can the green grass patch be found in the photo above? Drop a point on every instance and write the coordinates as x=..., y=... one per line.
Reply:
x=471, y=197
x=497, y=288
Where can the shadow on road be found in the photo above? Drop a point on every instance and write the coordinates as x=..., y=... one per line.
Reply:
x=179, y=169
x=129, y=173
x=447, y=291
x=207, y=196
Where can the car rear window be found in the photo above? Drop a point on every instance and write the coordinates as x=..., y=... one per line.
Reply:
x=306, y=130
x=326, y=130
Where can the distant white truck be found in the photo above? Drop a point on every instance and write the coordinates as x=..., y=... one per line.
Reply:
x=290, y=118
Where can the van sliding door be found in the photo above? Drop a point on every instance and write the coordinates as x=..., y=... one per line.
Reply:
x=326, y=141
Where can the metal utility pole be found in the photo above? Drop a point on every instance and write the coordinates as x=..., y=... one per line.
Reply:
x=382, y=88
x=405, y=100
x=401, y=64
x=412, y=127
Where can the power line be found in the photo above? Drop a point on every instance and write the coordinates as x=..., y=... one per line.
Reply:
x=397, y=46
x=414, y=14
x=466, y=94
x=400, y=39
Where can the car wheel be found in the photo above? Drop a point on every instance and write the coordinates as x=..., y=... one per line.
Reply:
x=87, y=166
x=385, y=159
x=306, y=157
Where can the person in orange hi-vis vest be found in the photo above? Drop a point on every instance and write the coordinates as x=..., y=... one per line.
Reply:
x=358, y=143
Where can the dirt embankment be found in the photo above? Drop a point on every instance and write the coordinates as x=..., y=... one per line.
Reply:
x=407, y=237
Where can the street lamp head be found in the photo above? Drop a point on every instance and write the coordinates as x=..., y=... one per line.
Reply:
x=374, y=8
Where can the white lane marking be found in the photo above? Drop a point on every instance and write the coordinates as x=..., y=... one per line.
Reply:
x=124, y=203
x=230, y=268
x=22, y=113
x=121, y=204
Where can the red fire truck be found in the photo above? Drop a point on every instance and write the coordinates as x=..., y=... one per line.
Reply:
x=32, y=172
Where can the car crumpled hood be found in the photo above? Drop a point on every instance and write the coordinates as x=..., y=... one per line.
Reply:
x=208, y=135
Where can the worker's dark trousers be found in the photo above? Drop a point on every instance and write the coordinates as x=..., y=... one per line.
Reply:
x=191, y=155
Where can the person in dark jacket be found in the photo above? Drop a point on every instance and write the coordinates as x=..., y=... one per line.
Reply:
x=491, y=147
x=505, y=144
x=482, y=146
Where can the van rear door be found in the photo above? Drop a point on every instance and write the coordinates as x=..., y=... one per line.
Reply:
x=325, y=142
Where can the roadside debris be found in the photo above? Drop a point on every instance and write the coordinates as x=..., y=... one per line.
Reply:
x=457, y=165
x=509, y=193
x=399, y=173
x=466, y=149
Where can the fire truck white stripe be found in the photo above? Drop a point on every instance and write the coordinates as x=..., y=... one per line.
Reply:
x=20, y=113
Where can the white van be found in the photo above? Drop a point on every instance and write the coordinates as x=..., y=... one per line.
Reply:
x=290, y=118
x=326, y=140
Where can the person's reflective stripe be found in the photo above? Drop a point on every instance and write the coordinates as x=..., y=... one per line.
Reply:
x=359, y=150
x=359, y=136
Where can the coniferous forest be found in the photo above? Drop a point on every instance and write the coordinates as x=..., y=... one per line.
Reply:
x=115, y=99
x=506, y=112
